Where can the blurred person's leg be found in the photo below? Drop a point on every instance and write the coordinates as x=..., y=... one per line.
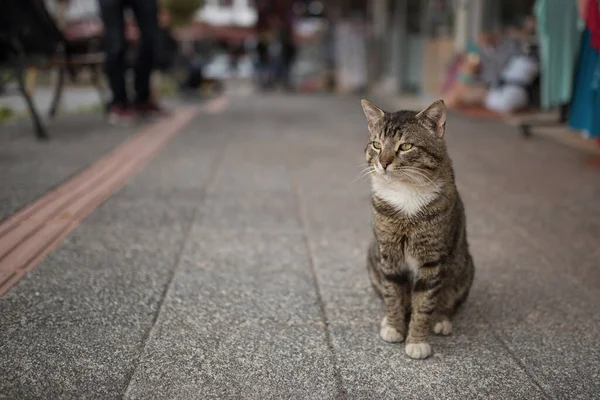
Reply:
x=257, y=73
x=146, y=15
x=283, y=75
x=287, y=75
x=111, y=12
x=274, y=72
x=262, y=72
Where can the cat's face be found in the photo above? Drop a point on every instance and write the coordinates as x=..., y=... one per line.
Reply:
x=406, y=145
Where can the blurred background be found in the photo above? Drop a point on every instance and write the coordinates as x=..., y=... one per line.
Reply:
x=489, y=59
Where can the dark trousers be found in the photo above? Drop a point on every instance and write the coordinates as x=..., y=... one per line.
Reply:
x=145, y=12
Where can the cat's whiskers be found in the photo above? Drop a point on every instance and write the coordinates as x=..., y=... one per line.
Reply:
x=416, y=169
x=414, y=180
x=419, y=172
x=364, y=173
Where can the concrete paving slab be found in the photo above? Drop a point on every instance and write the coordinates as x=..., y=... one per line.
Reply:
x=565, y=238
x=235, y=276
x=544, y=326
x=243, y=361
x=252, y=292
x=149, y=212
x=255, y=179
x=330, y=213
x=183, y=168
x=469, y=364
x=262, y=212
x=340, y=266
x=77, y=332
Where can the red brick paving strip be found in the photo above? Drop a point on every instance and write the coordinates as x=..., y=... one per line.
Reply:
x=28, y=236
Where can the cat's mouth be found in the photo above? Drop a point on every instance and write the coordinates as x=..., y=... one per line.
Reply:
x=380, y=172
x=385, y=174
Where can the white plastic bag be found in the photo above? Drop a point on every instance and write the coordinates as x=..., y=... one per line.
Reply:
x=521, y=69
x=507, y=99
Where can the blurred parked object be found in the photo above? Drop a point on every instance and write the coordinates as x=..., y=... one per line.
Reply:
x=182, y=12
x=229, y=13
x=438, y=54
x=520, y=72
x=30, y=40
x=314, y=60
x=351, y=55
x=439, y=47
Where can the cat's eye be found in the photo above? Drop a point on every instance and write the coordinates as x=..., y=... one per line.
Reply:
x=406, y=146
x=376, y=145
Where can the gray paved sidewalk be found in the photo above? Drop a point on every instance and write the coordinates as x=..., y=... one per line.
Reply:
x=74, y=99
x=30, y=167
x=233, y=267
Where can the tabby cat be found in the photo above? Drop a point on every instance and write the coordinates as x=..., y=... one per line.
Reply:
x=418, y=260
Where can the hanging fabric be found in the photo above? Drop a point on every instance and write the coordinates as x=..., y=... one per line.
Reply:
x=585, y=104
x=559, y=32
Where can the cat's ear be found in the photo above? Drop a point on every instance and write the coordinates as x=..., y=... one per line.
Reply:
x=372, y=112
x=434, y=117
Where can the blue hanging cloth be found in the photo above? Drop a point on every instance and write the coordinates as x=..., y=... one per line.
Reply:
x=585, y=104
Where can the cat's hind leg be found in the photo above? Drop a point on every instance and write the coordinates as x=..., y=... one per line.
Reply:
x=442, y=325
x=373, y=260
x=441, y=321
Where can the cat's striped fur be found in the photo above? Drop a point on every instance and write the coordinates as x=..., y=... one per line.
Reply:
x=419, y=260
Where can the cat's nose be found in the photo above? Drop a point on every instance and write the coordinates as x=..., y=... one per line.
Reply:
x=384, y=163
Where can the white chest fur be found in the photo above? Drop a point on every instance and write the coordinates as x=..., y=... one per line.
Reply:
x=404, y=197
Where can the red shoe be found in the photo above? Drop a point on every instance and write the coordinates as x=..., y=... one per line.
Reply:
x=121, y=116
x=151, y=109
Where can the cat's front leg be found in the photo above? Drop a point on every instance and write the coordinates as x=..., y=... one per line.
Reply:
x=395, y=293
x=425, y=292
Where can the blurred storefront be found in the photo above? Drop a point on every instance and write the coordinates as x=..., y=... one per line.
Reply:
x=332, y=44
x=412, y=42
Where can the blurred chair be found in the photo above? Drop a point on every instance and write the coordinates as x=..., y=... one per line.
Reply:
x=30, y=38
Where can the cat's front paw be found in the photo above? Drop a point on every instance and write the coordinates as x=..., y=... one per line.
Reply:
x=390, y=334
x=418, y=350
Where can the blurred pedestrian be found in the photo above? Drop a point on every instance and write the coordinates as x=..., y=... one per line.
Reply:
x=262, y=63
x=194, y=68
x=167, y=47
x=120, y=109
x=288, y=56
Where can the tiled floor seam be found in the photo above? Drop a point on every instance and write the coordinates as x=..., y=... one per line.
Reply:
x=535, y=380
x=148, y=335
x=521, y=231
x=532, y=377
x=342, y=394
x=208, y=184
